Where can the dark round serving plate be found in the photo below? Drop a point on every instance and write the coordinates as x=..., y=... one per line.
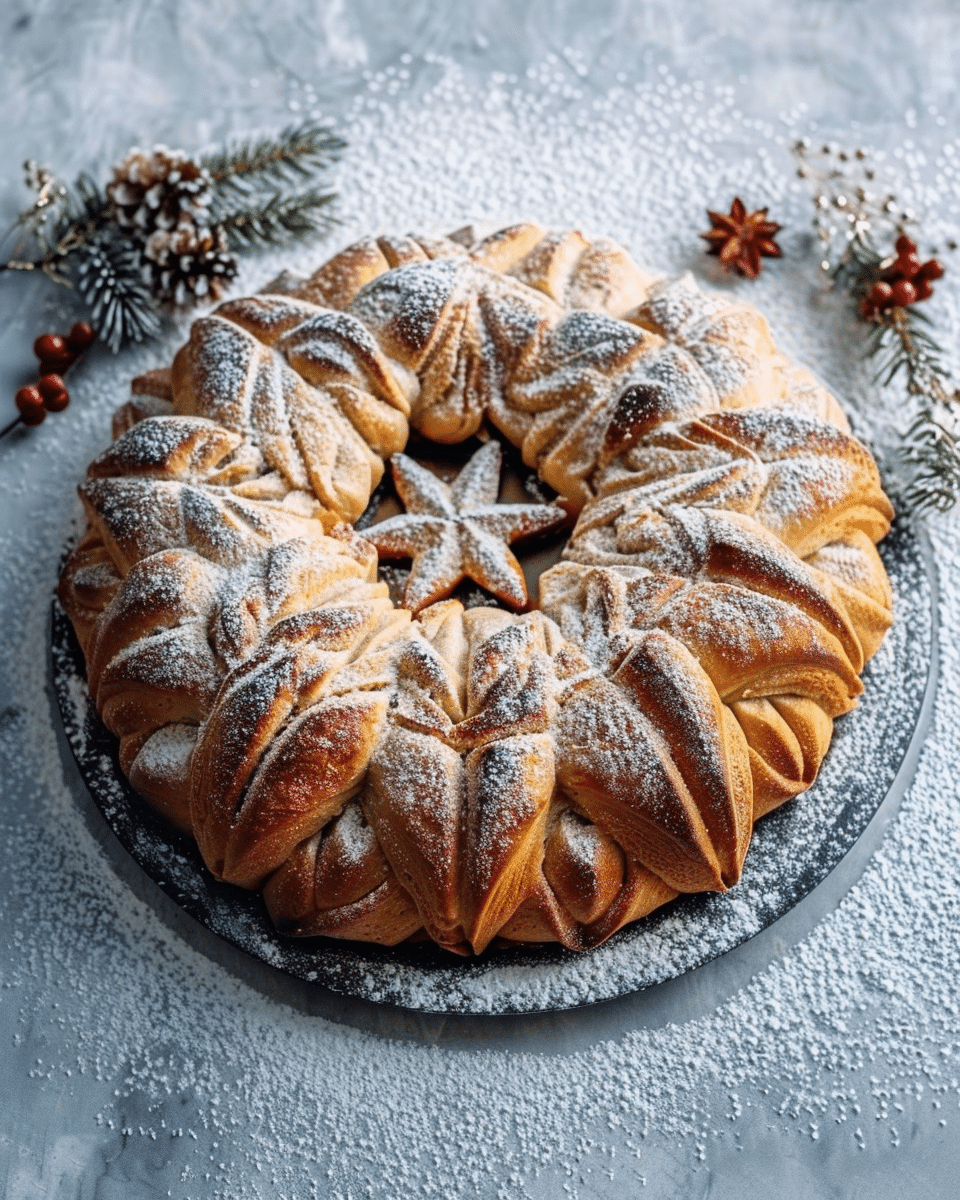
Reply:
x=793, y=849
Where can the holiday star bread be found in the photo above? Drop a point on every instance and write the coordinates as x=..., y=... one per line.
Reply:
x=458, y=531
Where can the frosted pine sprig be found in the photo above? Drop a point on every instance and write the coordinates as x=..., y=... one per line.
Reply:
x=110, y=280
x=257, y=193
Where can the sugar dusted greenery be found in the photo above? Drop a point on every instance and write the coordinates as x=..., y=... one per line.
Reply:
x=165, y=230
x=855, y=221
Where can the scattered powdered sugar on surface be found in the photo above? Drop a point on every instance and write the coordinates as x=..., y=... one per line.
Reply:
x=843, y=1039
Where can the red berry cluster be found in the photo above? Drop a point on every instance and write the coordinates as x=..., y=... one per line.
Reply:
x=905, y=282
x=56, y=354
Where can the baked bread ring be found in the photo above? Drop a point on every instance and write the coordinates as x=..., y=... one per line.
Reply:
x=474, y=775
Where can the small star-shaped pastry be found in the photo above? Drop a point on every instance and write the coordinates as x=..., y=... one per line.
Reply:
x=458, y=531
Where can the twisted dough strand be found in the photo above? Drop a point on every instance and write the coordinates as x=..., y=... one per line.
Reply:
x=474, y=775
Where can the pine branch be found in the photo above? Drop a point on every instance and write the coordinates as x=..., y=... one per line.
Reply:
x=909, y=349
x=109, y=278
x=296, y=153
x=277, y=221
x=262, y=193
x=936, y=453
x=931, y=443
x=88, y=202
x=859, y=268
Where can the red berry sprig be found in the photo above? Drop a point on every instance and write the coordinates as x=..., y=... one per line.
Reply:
x=903, y=283
x=49, y=394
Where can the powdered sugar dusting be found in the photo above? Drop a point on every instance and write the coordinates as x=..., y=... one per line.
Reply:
x=850, y=1037
x=166, y=753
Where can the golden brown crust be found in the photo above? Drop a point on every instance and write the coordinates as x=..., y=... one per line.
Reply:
x=476, y=776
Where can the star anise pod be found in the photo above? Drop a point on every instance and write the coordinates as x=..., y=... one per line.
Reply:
x=740, y=238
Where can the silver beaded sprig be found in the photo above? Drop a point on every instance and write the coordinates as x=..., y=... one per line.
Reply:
x=857, y=223
x=33, y=224
x=851, y=209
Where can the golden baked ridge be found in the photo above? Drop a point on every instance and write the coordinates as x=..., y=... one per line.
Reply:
x=478, y=774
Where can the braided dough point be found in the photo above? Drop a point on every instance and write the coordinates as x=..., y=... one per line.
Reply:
x=476, y=776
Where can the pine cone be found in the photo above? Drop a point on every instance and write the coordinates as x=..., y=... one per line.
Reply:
x=163, y=190
x=189, y=263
